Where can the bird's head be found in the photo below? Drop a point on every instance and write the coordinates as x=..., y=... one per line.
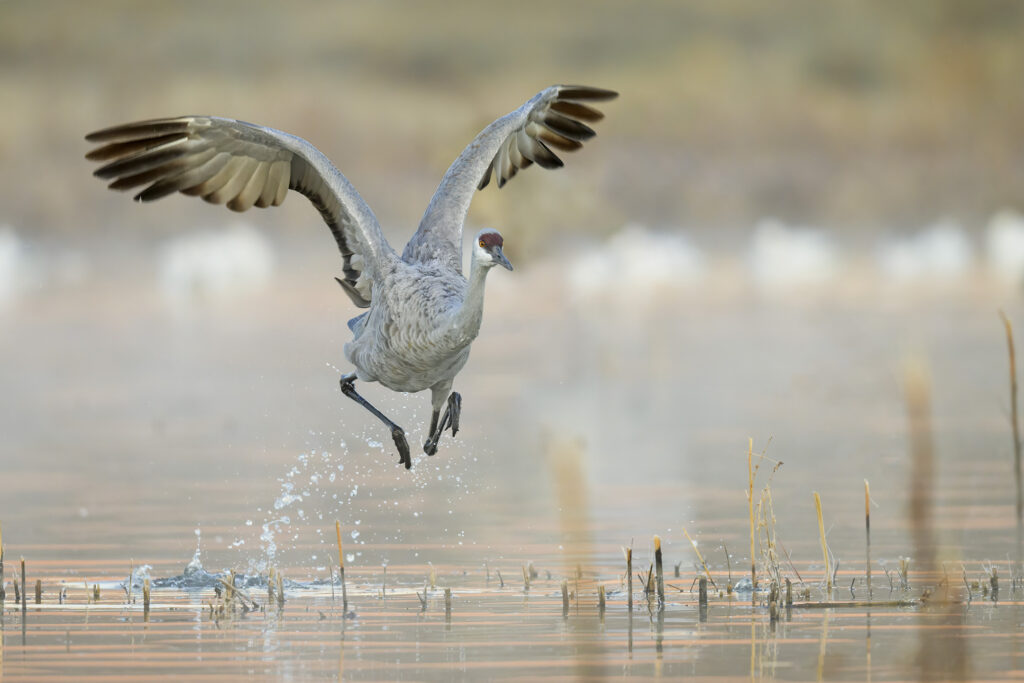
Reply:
x=487, y=249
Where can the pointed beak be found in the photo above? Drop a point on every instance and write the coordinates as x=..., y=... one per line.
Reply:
x=499, y=256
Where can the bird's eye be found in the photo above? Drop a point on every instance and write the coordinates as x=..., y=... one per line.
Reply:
x=482, y=245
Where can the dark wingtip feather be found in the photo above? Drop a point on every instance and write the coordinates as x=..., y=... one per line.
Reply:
x=544, y=157
x=576, y=110
x=585, y=92
x=568, y=128
x=138, y=163
x=138, y=130
x=156, y=191
x=485, y=181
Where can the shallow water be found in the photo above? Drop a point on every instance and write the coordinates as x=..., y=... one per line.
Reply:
x=139, y=433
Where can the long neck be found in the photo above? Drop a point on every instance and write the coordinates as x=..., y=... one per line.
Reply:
x=469, y=316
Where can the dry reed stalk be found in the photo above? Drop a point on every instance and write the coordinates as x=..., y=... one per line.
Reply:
x=600, y=599
x=700, y=557
x=448, y=604
x=628, y=552
x=917, y=385
x=145, y=598
x=702, y=592
x=131, y=574
x=565, y=598
x=658, y=568
x=526, y=579
x=750, y=500
x=433, y=578
x=280, y=589
x=270, y=586
x=1013, y=416
x=824, y=546
x=39, y=591
x=867, y=529
x=501, y=581
x=728, y=568
x=341, y=565
x=23, y=596
x=235, y=591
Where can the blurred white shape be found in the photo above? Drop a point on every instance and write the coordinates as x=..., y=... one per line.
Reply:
x=636, y=262
x=17, y=272
x=785, y=258
x=215, y=264
x=941, y=252
x=1004, y=246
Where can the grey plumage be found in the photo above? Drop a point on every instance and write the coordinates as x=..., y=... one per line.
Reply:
x=423, y=313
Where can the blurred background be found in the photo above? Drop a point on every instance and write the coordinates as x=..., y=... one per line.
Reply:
x=787, y=201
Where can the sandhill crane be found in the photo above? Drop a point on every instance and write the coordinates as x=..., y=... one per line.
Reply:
x=423, y=313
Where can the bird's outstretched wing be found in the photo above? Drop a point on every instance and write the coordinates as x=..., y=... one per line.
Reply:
x=556, y=117
x=243, y=165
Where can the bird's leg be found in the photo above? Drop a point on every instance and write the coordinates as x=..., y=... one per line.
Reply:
x=454, y=411
x=397, y=433
x=450, y=419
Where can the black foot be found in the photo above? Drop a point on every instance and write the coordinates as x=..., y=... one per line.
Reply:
x=450, y=419
x=398, y=434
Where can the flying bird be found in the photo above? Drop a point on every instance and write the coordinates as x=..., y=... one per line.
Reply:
x=423, y=313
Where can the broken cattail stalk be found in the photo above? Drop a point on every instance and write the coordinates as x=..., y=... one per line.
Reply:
x=17, y=591
x=280, y=589
x=23, y=597
x=1013, y=416
x=448, y=603
x=131, y=575
x=628, y=552
x=699, y=557
x=433, y=577
x=145, y=597
x=39, y=591
x=341, y=564
x=867, y=530
x=824, y=547
x=702, y=593
x=526, y=579
x=789, y=593
x=658, y=569
x=750, y=500
x=994, y=581
x=270, y=586
x=600, y=599
x=565, y=598
x=384, y=584
x=500, y=580
x=95, y=592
